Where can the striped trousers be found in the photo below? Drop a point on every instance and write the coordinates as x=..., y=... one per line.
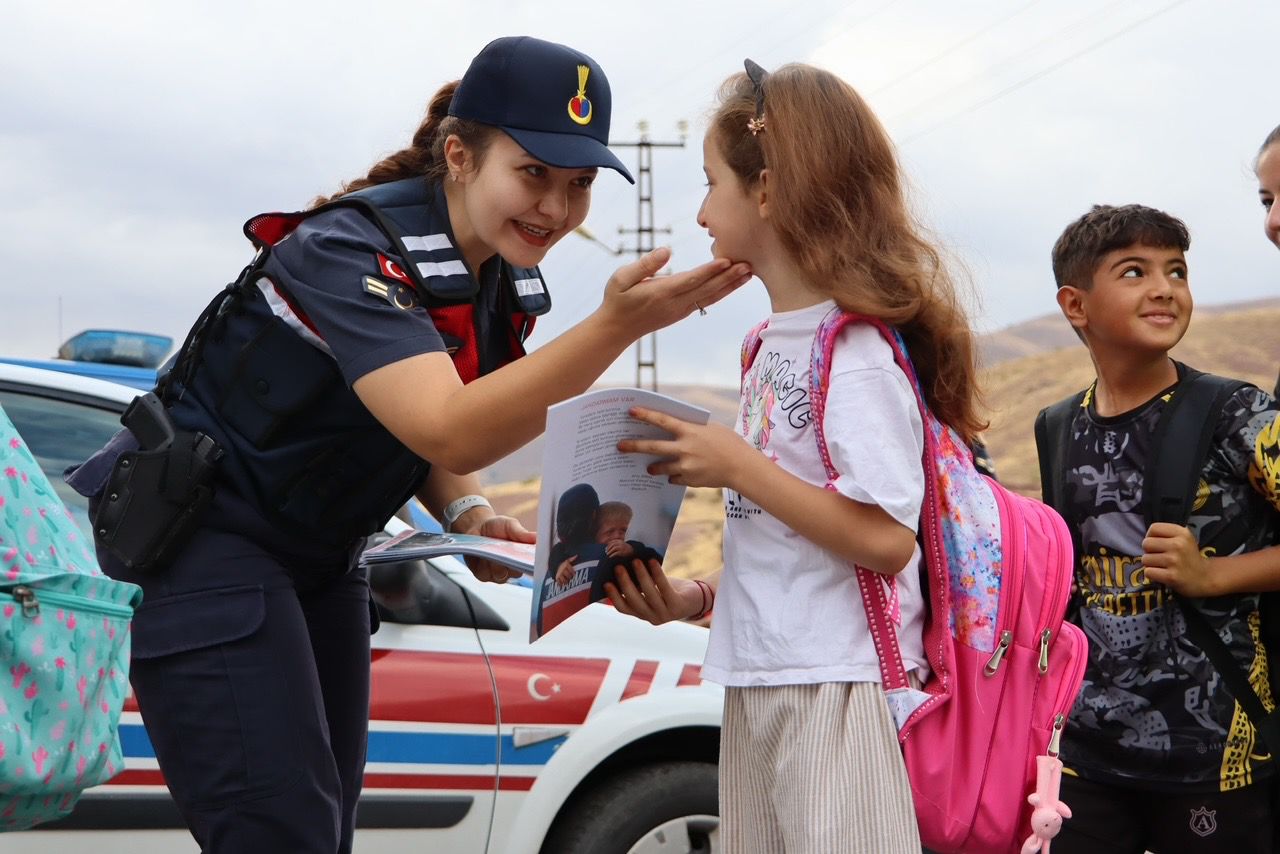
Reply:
x=813, y=769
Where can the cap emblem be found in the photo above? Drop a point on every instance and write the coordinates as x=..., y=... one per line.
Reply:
x=579, y=106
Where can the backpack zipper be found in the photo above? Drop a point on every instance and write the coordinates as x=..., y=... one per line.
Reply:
x=26, y=597
x=1012, y=539
x=1055, y=605
x=1073, y=637
x=1055, y=739
x=30, y=601
x=1044, y=651
x=993, y=663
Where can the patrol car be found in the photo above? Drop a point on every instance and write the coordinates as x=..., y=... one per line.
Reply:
x=599, y=739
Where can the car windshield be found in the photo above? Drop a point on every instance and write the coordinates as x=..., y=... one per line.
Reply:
x=60, y=433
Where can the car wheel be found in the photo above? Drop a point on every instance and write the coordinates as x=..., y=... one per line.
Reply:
x=671, y=808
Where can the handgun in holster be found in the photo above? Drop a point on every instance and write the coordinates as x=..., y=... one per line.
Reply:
x=156, y=495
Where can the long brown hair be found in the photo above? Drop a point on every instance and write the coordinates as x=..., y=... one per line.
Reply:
x=836, y=202
x=425, y=154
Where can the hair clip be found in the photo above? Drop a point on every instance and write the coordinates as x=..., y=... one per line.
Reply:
x=756, y=75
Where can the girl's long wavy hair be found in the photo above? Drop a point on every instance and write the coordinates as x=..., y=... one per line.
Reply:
x=425, y=155
x=836, y=202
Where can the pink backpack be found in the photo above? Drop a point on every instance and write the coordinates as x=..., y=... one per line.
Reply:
x=1005, y=667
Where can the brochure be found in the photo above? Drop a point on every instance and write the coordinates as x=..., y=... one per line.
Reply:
x=598, y=508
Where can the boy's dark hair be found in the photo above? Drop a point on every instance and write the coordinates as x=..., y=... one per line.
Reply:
x=1106, y=228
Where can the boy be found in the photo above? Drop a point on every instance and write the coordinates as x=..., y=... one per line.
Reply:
x=1159, y=755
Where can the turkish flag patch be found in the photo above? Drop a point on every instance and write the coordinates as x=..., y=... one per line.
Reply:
x=393, y=270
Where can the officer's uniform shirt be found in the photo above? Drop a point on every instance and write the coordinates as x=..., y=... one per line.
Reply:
x=319, y=272
x=335, y=268
x=328, y=281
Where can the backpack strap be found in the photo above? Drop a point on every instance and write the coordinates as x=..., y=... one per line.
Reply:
x=879, y=592
x=751, y=346
x=1053, y=438
x=1182, y=441
x=1233, y=675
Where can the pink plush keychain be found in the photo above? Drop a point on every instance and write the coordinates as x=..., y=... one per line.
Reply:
x=1046, y=818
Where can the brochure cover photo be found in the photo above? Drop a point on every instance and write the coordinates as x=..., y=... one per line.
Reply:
x=598, y=508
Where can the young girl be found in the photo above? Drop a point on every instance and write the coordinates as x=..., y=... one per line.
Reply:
x=803, y=184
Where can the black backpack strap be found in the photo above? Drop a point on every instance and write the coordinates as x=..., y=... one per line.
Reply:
x=1233, y=674
x=1053, y=437
x=1182, y=441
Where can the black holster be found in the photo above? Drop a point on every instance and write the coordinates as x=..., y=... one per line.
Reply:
x=155, y=496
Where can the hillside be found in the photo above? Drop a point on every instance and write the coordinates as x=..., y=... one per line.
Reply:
x=1242, y=343
x=1049, y=332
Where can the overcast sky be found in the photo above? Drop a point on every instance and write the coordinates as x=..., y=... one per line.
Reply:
x=136, y=137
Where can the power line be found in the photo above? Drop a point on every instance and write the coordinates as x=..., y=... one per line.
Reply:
x=774, y=45
x=953, y=48
x=1039, y=74
x=1033, y=49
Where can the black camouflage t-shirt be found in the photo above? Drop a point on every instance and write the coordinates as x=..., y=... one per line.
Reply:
x=1153, y=708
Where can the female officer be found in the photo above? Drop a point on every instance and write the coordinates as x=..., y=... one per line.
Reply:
x=368, y=352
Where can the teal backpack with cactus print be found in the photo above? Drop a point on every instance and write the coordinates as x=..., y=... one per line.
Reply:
x=64, y=649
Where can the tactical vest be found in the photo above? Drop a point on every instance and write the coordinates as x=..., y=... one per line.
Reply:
x=300, y=444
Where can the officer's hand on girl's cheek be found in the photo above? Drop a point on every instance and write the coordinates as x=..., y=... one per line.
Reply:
x=640, y=303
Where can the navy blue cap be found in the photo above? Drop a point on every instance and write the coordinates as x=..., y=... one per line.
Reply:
x=551, y=99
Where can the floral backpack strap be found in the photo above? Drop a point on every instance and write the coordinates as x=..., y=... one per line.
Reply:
x=879, y=592
x=750, y=347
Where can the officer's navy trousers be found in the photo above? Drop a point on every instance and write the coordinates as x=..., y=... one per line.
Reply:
x=252, y=676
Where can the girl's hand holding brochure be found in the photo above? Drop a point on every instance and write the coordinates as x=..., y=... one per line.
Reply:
x=697, y=455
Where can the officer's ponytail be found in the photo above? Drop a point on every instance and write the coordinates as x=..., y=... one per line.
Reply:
x=425, y=154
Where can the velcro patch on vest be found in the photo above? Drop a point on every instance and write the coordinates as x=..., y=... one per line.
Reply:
x=529, y=287
x=400, y=296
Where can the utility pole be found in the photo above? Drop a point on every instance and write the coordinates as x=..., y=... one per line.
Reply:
x=647, y=347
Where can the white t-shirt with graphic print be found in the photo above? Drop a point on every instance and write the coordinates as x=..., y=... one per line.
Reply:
x=787, y=611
